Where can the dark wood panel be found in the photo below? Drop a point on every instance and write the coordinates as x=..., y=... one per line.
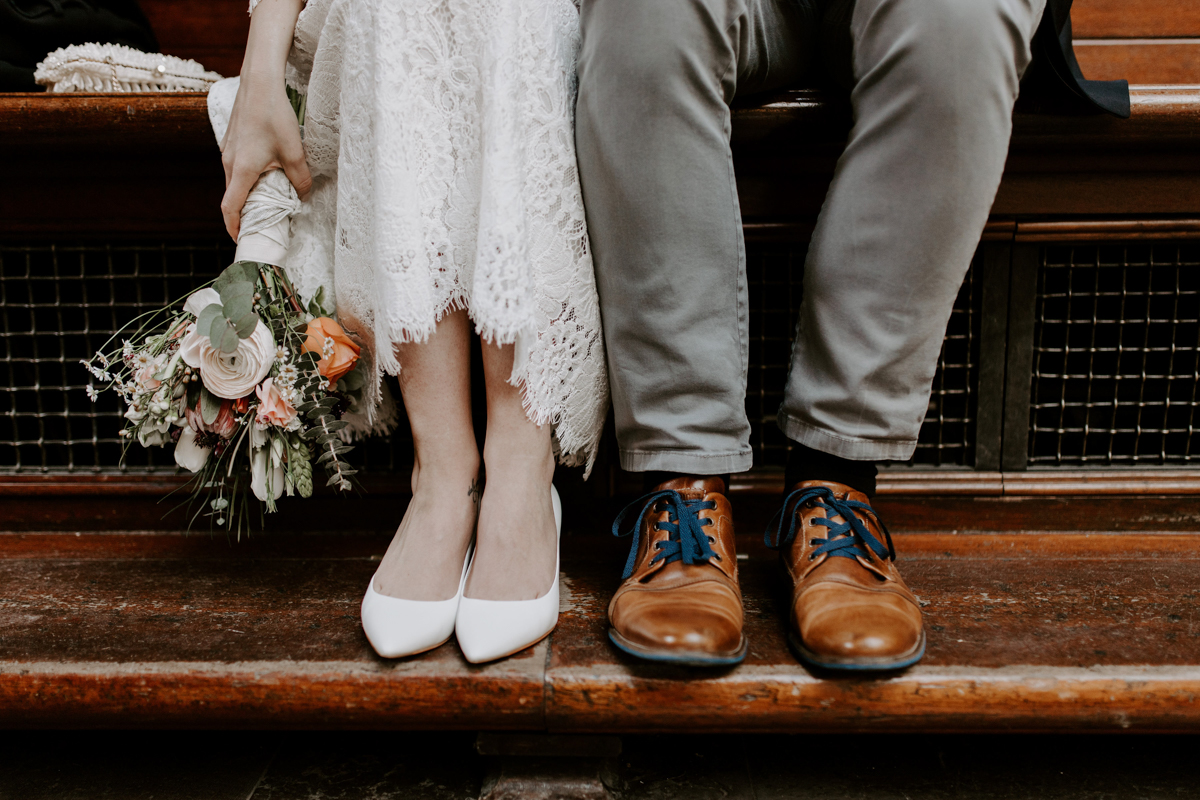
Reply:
x=212, y=32
x=1140, y=61
x=1123, y=19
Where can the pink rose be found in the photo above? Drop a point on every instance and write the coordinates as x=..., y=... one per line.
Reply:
x=273, y=409
x=145, y=377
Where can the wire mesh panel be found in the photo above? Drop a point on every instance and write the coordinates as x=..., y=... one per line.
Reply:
x=1116, y=356
x=947, y=437
x=62, y=303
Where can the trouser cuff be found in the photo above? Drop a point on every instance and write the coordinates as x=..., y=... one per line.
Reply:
x=686, y=462
x=845, y=446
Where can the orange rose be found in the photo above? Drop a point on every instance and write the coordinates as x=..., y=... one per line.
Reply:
x=343, y=352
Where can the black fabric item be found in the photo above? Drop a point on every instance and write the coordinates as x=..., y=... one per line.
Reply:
x=1054, y=84
x=806, y=464
x=31, y=29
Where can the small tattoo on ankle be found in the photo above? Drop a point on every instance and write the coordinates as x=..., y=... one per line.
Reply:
x=475, y=491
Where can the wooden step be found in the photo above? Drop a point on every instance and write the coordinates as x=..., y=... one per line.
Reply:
x=1027, y=632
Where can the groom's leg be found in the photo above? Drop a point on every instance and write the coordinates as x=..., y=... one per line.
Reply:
x=655, y=81
x=935, y=82
x=933, y=99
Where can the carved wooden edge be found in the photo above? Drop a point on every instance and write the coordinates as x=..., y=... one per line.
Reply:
x=925, y=698
x=1066, y=231
x=1036, y=483
x=898, y=482
x=267, y=695
x=148, y=485
x=600, y=699
x=41, y=118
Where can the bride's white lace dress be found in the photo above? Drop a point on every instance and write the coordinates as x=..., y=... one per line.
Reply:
x=440, y=138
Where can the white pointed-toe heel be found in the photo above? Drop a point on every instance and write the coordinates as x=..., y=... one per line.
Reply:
x=397, y=627
x=491, y=629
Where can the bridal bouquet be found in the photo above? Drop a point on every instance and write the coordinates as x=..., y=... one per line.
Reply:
x=245, y=383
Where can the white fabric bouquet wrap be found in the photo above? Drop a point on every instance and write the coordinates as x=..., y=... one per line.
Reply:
x=267, y=215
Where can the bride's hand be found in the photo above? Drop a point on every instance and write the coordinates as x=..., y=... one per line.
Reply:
x=263, y=133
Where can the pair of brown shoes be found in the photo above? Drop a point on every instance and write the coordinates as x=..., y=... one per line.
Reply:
x=680, y=601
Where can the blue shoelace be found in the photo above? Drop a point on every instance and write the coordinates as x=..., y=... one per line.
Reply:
x=845, y=539
x=688, y=541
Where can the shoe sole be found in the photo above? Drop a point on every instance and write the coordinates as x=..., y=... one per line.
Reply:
x=856, y=664
x=674, y=657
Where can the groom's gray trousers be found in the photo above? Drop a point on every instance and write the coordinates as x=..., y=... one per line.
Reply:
x=934, y=82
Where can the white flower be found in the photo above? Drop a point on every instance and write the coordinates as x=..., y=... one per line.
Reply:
x=153, y=432
x=126, y=348
x=188, y=454
x=142, y=359
x=236, y=374
x=327, y=347
x=287, y=375
x=102, y=358
x=91, y=392
x=201, y=299
x=262, y=473
x=282, y=353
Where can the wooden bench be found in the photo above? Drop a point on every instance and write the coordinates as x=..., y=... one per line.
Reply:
x=1086, y=631
x=1044, y=615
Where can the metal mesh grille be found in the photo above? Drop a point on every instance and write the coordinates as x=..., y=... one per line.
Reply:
x=1116, y=356
x=59, y=305
x=948, y=436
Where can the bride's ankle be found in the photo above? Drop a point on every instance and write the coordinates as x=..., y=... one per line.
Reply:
x=446, y=474
x=509, y=466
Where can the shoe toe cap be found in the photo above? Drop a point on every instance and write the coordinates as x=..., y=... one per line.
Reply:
x=864, y=629
x=709, y=626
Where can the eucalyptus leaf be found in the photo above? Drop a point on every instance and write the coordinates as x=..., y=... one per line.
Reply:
x=336, y=425
x=216, y=330
x=193, y=393
x=237, y=272
x=334, y=478
x=237, y=305
x=207, y=315
x=245, y=324
x=210, y=406
x=229, y=340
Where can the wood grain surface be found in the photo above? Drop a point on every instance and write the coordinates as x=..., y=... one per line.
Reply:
x=1140, y=61
x=1124, y=19
x=1096, y=631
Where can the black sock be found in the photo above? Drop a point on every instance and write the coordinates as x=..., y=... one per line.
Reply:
x=652, y=479
x=806, y=464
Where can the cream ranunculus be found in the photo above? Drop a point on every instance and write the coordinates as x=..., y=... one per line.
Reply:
x=234, y=375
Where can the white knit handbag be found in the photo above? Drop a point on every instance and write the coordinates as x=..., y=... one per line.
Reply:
x=115, y=68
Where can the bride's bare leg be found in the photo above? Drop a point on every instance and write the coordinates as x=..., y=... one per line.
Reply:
x=516, y=540
x=425, y=559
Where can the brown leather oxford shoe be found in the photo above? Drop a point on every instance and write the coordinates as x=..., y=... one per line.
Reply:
x=680, y=601
x=850, y=609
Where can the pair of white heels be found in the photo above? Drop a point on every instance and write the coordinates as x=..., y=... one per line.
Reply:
x=486, y=629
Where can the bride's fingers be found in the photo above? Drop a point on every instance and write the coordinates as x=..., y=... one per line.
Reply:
x=296, y=169
x=240, y=183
